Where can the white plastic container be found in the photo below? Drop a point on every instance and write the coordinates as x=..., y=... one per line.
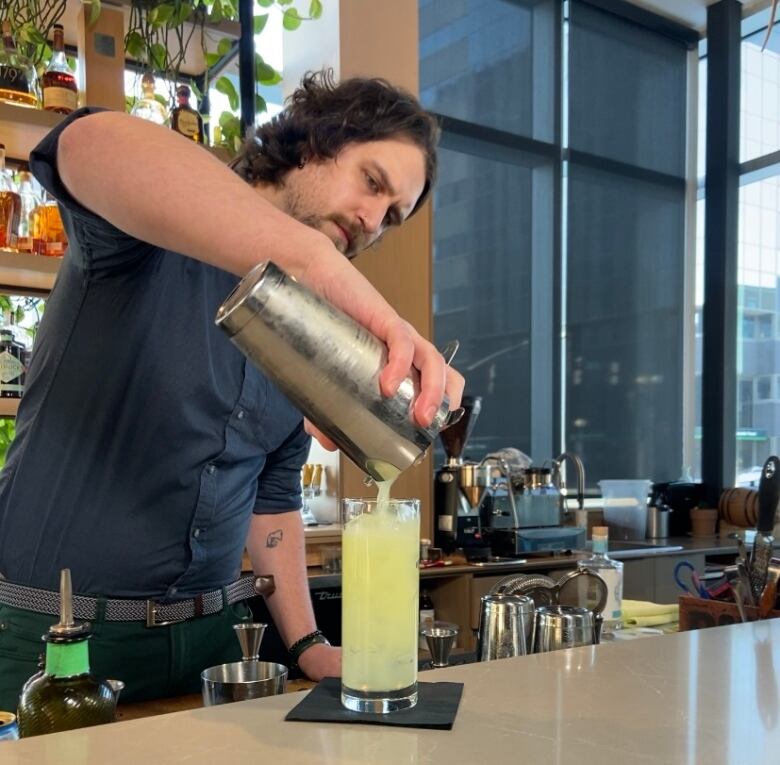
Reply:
x=625, y=507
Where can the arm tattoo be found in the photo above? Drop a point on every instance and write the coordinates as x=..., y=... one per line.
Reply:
x=274, y=538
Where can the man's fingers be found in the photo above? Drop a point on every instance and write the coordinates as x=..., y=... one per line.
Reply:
x=400, y=342
x=437, y=379
x=433, y=376
x=454, y=388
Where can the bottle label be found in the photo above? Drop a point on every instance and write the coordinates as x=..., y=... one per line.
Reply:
x=67, y=659
x=10, y=369
x=14, y=78
x=187, y=124
x=445, y=523
x=54, y=248
x=613, y=578
x=60, y=98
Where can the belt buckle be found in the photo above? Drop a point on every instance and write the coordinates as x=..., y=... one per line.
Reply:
x=151, y=616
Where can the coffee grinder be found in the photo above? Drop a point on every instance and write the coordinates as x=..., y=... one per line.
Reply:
x=459, y=486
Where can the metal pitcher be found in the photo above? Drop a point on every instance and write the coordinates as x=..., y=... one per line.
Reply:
x=505, y=626
x=565, y=627
x=328, y=366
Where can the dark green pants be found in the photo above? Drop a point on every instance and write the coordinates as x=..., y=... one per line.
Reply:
x=153, y=662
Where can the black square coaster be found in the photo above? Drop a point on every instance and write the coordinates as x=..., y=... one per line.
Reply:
x=437, y=705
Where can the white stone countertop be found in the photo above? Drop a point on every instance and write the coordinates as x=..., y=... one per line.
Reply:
x=709, y=696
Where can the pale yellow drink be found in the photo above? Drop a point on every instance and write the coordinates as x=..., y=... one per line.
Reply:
x=380, y=595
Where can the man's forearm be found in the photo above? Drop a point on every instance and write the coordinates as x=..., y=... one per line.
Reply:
x=194, y=204
x=276, y=546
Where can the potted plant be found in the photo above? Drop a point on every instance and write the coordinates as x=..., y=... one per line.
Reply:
x=159, y=35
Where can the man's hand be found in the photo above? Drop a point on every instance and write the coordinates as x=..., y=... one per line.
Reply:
x=321, y=661
x=341, y=283
x=406, y=349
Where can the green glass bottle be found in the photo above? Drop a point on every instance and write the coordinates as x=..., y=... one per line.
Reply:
x=64, y=695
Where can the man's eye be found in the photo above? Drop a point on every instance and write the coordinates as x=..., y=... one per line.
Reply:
x=372, y=184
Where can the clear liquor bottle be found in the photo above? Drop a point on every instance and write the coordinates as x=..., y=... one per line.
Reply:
x=10, y=206
x=184, y=119
x=60, y=91
x=18, y=78
x=148, y=107
x=611, y=571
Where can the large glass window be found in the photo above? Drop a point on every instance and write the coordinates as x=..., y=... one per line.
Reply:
x=758, y=345
x=625, y=247
x=624, y=325
x=482, y=272
x=488, y=68
x=561, y=268
x=758, y=297
x=489, y=62
x=759, y=125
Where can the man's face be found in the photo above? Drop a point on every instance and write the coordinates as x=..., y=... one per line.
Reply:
x=356, y=196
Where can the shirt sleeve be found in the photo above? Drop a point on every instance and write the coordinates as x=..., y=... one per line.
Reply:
x=92, y=241
x=279, y=485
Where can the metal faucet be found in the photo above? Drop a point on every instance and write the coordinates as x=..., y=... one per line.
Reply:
x=504, y=469
x=580, y=468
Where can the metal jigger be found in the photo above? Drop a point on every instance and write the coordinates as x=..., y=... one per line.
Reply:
x=249, y=635
x=441, y=638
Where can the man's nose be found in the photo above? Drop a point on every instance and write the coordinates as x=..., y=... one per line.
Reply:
x=372, y=217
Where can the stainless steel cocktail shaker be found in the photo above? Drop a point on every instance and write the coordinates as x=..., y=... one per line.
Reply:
x=328, y=366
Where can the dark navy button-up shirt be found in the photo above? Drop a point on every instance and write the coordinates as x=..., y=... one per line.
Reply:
x=145, y=440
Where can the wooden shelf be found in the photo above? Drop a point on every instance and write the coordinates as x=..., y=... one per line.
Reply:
x=21, y=129
x=24, y=274
x=9, y=407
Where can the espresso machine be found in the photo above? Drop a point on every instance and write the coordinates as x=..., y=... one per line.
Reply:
x=459, y=487
x=524, y=509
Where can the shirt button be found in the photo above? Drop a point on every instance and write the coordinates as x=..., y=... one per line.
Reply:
x=196, y=533
x=241, y=414
x=173, y=590
x=210, y=469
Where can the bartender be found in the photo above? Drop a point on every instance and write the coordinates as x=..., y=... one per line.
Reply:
x=148, y=450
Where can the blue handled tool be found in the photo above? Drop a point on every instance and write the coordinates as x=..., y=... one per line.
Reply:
x=695, y=588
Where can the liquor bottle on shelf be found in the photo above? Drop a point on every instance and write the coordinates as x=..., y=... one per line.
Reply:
x=10, y=206
x=148, y=107
x=28, y=195
x=611, y=571
x=427, y=616
x=12, y=367
x=184, y=119
x=65, y=695
x=48, y=233
x=18, y=78
x=60, y=91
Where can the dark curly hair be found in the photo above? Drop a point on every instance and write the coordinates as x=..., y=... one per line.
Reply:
x=322, y=116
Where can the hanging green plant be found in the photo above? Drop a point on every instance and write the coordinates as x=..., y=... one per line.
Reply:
x=32, y=22
x=160, y=33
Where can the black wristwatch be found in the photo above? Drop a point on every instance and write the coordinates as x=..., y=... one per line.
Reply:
x=304, y=643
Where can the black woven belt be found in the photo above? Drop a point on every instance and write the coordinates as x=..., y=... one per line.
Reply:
x=125, y=610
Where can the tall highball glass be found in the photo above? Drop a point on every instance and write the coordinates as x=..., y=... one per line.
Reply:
x=380, y=604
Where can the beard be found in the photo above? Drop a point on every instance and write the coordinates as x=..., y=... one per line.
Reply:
x=298, y=207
